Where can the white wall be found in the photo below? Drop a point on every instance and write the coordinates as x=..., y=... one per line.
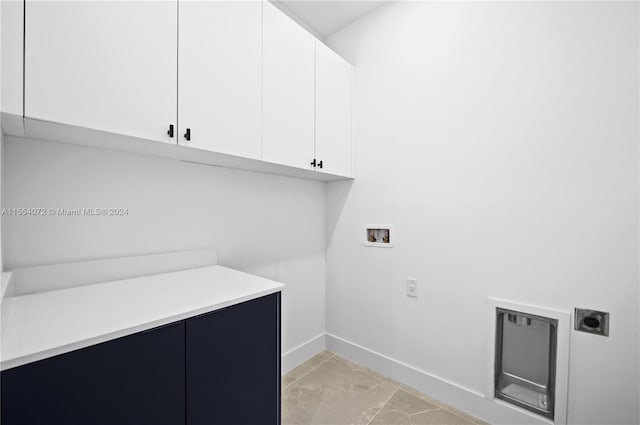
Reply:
x=501, y=142
x=268, y=225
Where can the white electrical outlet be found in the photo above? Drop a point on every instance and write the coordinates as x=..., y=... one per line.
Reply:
x=412, y=288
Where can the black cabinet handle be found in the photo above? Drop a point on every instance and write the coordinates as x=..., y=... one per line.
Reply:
x=320, y=164
x=313, y=163
x=170, y=131
x=187, y=135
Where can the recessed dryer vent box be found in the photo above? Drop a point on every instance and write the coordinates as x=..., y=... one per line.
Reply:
x=378, y=235
x=525, y=363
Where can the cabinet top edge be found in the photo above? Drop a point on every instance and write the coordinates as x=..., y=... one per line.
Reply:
x=50, y=323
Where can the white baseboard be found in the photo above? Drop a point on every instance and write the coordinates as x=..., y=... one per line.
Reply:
x=467, y=400
x=303, y=352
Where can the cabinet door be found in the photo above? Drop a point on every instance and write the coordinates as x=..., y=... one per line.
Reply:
x=333, y=111
x=134, y=380
x=106, y=65
x=220, y=60
x=233, y=365
x=288, y=82
x=11, y=32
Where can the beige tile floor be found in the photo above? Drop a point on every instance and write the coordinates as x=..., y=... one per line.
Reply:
x=330, y=390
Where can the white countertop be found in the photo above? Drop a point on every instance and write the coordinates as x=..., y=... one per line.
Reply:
x=48, y=323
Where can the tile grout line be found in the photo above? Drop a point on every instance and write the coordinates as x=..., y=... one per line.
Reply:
x=464, y=416
x=311, y=370
x=384, y=404
x=368, y=371
x=443, y=406
x=439, y=405
x=398, y=386
x=416, y=413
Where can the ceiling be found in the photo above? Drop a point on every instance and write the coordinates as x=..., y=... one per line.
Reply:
x=324, y=17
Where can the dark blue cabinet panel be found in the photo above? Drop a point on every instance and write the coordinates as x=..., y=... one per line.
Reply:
x=134, y=380
x=233, y=365
x=220, y=368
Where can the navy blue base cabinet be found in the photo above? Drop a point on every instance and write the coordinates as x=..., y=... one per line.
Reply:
x=137, y=379
x=233, y=355
x=220, y=368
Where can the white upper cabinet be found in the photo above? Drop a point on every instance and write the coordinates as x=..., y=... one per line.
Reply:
x=288, y=90
x=220, y=72
x=239, y=80
x=333, y=111
x=106, y=65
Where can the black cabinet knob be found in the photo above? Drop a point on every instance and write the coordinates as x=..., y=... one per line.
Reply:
x=313, y=163
x=320, y=164
x=187, y=134
x=170, y=131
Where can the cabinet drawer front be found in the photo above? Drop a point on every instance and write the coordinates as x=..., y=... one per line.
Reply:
x=233, y=365
x=134, y=380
